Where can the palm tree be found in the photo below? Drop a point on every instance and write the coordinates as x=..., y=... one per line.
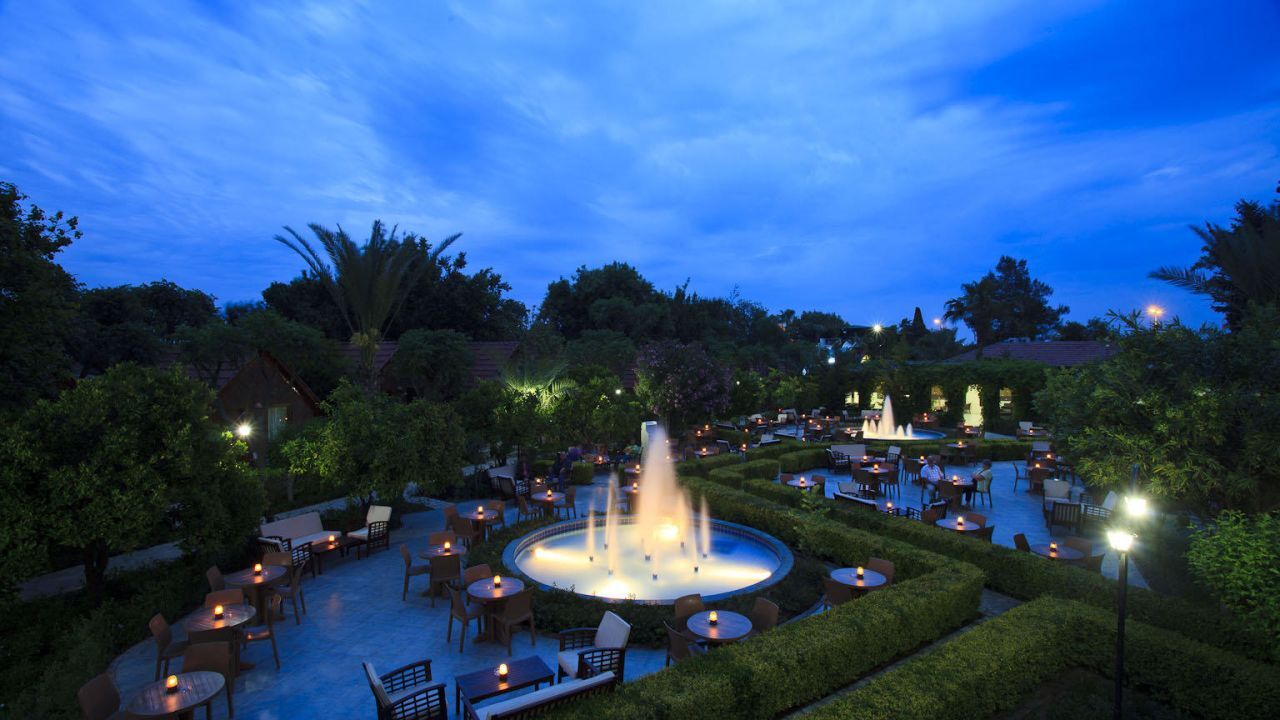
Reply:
x=369, y=284
x=1239, y=265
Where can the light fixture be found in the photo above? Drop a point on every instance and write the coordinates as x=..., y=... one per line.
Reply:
x=937, y=322
x=877, y=328
x=1135, y=506
x=617, y=391
x=244, y=430
x=831, y=360
x=1120, y=540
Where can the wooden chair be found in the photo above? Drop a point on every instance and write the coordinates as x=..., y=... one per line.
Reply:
x=440, y=537
x=99, y=699
x=882, y=566
x=588, y=651
x=1020, y=542
x=784, y=478
x=219, y=657
x=835, y=593
x=570, y=503
x=166, y=647
x=266, y=633
x=1093, y=563
x=976, y=518
x=685, y=607
x=230, y=596
x=1064, y=513
x=444, y=569
x=929, y=516
x=1036, y=477
x=680, y=647
x=499, y=508
x=517, y=611
x=411, y=570
x=911, y=470
x=890, y=484
x=474, y=573
x=216, y=582
x=379, y=536
x=460, y=611
x=524, y=511
x=982, y=488
x=764, y=616
x=407, y=693
x=467, y=531
x=986, y=533
x=291, y=590
x=302, y=559
x=819, y=485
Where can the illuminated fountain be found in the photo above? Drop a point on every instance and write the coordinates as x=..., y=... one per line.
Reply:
x=657, y=553
x=885, y=429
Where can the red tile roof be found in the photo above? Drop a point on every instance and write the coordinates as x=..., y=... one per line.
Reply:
x=1058, y=353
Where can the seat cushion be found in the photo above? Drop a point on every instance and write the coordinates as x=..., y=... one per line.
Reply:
x=295, y=527
x=317, y=538
x=551, y=692
x=362, y=533
x=568, y=660
x=613, y=632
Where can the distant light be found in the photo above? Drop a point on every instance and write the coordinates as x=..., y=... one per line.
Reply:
x=244, y=430
x=617, y=391
x=1155, y=312
x=937, y=322
x=877, y=328
x=831, y=360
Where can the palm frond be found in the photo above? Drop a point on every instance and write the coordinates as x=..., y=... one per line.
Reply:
x=1186, y=278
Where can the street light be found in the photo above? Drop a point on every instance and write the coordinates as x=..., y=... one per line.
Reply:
x=831, y=360
x=244, y=430
x=877, y=328
x=1121, y=540
x=1155, y=312
x=937, y=322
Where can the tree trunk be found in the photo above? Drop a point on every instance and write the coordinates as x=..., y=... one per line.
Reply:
x=95, y=570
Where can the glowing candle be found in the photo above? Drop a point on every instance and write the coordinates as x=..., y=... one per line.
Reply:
x=860, y=572
x=217, y=612
x=712, y=618
x=480, y=510
x=548, y=493
x=960, y=521
x=447, y=546
x=257, y=568
x=876, y=467
x=635, y=486
x=502, y=671
x=171, y=684
x=888, y=505
x=497, y=581
x=332, y=539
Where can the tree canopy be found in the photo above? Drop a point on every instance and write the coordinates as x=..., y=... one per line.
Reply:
x=1006, y=303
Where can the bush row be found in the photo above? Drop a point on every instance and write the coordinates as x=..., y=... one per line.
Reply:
x=582, y=473
x=1043, y=638
x=802, y=661
x=735, y=475
x=703, y=465
x=1026, y=576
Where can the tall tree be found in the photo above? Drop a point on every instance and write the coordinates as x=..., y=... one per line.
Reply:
x=1004, y=304
x=368, y=284
x=1239, y=264
x=37, y=300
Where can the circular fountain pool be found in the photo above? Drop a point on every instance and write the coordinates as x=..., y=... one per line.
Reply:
x=653, y=564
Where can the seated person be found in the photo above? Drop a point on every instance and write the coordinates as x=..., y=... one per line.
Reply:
x=983, y=476
x=932, y=474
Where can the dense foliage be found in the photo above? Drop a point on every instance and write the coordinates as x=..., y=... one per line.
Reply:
x=681, y=384
x=1006, y=303
x=1238, y=558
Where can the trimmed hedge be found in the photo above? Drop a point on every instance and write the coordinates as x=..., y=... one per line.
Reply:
x=1041, y=639
x=1026, y=576
x=582, y=473
x=703, y=465
x=736, y=475
x=801, y=460
x=802, y=661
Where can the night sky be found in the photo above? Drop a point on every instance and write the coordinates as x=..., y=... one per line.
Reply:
x=862, y=158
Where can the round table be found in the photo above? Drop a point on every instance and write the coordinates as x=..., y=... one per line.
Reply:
x=730, y=626
x=439, y=551
x=194, y=689
x=950, y=524
x=485, y=592
x=802, y=484
x=233, y=616
x=547, y=499
x=257, y=586
x=849, y=576
x=1064, y=552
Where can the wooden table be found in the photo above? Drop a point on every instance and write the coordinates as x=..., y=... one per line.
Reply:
x=849, y=576
x=488, y=518
x=341, y=544
x=1064, y=552
x=868, y=461
x=256, y=586
x=547, y=499
x=234, y=617
x=484, y=684
x=194, y=689
x=950, y=524
x=730, y=626
x=433, y=551
x=492, y=597
x=802, y=484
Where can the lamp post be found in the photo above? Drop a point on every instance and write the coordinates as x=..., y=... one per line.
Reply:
x=1121, y=540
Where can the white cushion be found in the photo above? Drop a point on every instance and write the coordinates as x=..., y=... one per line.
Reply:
x=295, y=528
x=362, y=533
x=317, y=538
x=568, y=660
x=613, y=631
x=377, y=513
x=550, y=692
x=1057, y=488
x=376, y=684
x=1110, y=501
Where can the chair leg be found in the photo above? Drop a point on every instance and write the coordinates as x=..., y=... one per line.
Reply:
x=462, y=638
x=275, y=652
x=404, y=592
x=297, y=619
x=158, y=663
x=533, y=632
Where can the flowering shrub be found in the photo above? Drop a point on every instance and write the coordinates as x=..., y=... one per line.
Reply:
x=681, y=383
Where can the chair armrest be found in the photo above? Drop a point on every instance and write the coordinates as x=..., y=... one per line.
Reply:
x=594, y=661
x=416, y=673
x=574, y=638
x=424, y=702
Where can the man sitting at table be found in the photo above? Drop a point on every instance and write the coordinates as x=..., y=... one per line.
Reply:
x=983, y=474
x=932, y=474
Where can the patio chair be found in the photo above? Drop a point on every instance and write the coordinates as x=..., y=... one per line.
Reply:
x=99, y=699
x=460, y=611
x=219, y=657
x=499, y=508
x=939, y=506
x=215, y=579
x=440, y=537
x=1084, y=545
x=680, y=647
x=1055, y=491
x=1064, y=513
x=302, y=559
x=374, y=515
x=890, y=484
x=507, y=486
x=1036, y=477
x=929, y=516
x=474, y=573
x=516, y=611
x=1093, y=563
x=291, y=590
x=444, y=569
x=379, y=536
x=985, y=533
x=764, y=616
x=524, y=511
x=570, y=503
x=685, y=607
x=882, y=566
x=589, y=651
x=411, y=570
x=266, y=633
x=407, y=693
x=819, y=484
x=911, y=470
x=1020, y=542
x=467, y=531
x=785, y=478
x=976, y=518
x=835, y=593
x=230, y=596
x=982, y=489
x=166, y=647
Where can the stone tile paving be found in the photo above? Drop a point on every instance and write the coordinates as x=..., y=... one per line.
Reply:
x=354, y=613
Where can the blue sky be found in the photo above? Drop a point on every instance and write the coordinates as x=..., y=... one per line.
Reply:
x=862, y=158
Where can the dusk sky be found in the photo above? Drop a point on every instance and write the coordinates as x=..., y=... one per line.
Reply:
x=861, y=158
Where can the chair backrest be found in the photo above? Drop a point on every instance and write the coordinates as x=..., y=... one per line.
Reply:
x=1039, y=474
x=613, y=632
x=375, y=684
x=98, y=698
x=929, y=516
x=377, y=513
x=1066, y=513
x=893, y=453
x=976, y=518
x=456, y=604
x=441, y=537
x=677, y=644
x=378, y=530
x=449, y=512
x=161, y=631
x=1020, y=542
x=211, y=656
x=939, y=507
x=764, y=615
x=786, y=478
x=1079, y=543
x=571, y=495
x=519, y=605
x=986, y=533
x=476, y=572
x=283, y=559
x=404, y=553
x=882, y=566
x=1093, y=563
x=507, y=486
x=301, y=556
x=688, y=605
x=1054, y=488
x=230, y=596
x=523, y=505
x=837, y=592
x=215, y=578
x=446, y=567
